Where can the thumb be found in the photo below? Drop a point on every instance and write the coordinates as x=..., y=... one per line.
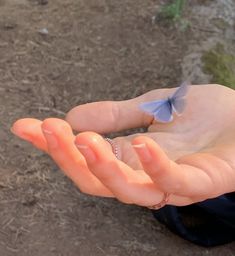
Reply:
x=113, y=116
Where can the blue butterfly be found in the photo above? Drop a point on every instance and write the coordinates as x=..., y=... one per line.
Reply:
x=163, y=110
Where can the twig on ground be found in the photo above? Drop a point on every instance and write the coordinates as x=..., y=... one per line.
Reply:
x=47, y=109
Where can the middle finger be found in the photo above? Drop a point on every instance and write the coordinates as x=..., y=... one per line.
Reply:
x=128, y=186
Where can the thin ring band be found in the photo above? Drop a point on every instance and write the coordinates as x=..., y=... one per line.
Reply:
x=114, y=147
x=166, y=195
x=164, y=201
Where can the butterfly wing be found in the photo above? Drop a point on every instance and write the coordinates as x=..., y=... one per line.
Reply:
x=152, y=106
x=181, y=91
x=160, y=109
x=178, y=105
x=177, y=100
x=164, y=113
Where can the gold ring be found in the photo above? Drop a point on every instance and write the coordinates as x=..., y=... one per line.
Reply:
x=162, y=203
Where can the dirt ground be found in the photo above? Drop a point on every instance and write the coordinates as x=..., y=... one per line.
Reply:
x=55, y=55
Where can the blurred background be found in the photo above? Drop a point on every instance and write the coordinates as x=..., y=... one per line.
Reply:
x=57, y=54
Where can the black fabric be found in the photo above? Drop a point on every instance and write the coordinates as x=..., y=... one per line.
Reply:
x=208, y=223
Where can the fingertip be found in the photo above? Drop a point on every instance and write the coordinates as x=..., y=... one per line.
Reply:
x=88, y=138
x=20, y=124
x=29, y=129
x=91, y=140
x=55, y=126
x=142, y=140
x=149, y=151
x=94, y=116
x=24, y=127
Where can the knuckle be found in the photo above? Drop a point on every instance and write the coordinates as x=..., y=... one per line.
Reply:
x=114, y=115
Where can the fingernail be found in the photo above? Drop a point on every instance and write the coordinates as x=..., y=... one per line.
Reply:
x=51, y=139
x=47, y=131
x=87, y=152
x=22, y=135
x=143, y=152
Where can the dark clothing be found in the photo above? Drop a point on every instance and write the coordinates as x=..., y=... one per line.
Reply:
x=208, y=223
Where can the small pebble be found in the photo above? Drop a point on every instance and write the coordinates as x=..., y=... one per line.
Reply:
x=43, y=31
x=43, y=2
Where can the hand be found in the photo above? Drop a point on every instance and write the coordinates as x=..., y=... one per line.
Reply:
x=192, y=158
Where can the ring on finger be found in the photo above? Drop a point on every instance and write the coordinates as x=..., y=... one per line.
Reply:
x=115, y=148
x=164, y=201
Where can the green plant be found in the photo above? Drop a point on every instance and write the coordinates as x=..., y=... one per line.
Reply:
x=220, y=65
x=173, y=13
x=174, y=10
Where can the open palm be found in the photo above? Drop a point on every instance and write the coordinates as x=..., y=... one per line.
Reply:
x=192, y=158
